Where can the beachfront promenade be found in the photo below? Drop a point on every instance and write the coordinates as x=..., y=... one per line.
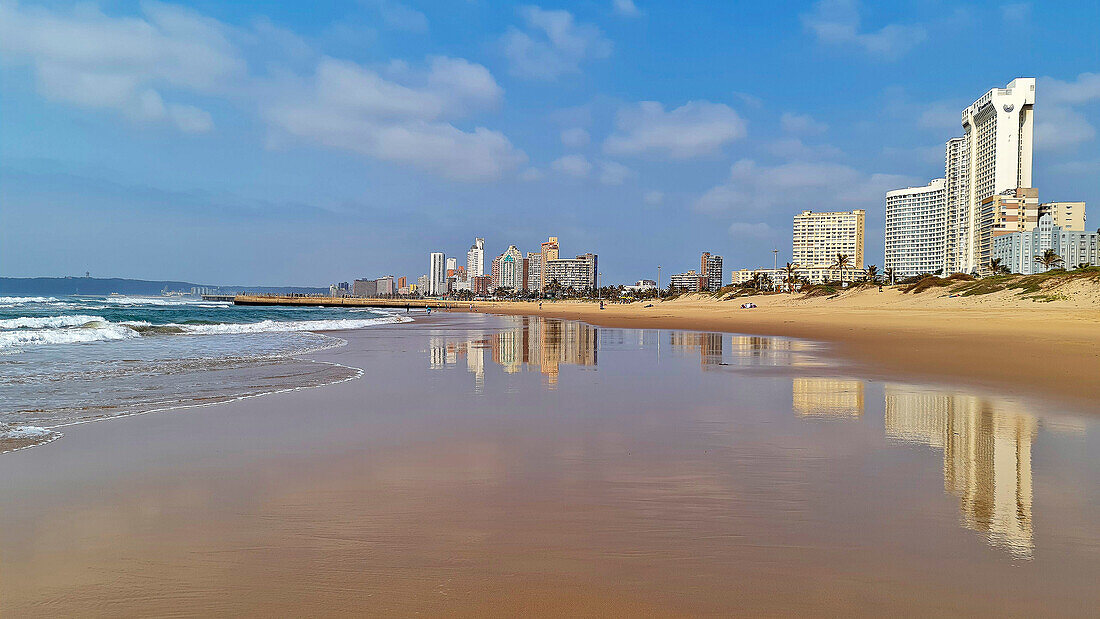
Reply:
x=307, y=300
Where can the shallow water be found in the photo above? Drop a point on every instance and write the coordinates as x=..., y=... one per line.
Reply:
x=74, y=359
x=503, y=466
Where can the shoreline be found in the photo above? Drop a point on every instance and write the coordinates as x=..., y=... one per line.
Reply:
x=1051, y=353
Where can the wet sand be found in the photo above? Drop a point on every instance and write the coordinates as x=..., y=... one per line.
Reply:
x=1026, y=349
x=495, y=466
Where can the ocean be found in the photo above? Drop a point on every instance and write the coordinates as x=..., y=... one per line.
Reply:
x=66, y=360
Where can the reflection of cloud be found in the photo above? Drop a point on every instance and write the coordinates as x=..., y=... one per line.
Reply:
x=986, y=456
x=827, y=397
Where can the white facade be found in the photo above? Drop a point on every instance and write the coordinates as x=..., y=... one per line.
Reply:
x=437, y=274
x=475, y=259
x=819, y=237
x=916, y=229
x=996, y=154
x=511, y=269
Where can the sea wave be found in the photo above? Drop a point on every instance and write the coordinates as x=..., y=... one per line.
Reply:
x=263, y=326
x=95, y=331
x=85, y=329
x=38, y=322
x=17, y=300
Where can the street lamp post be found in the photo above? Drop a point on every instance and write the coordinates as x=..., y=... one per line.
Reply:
x=658, y=280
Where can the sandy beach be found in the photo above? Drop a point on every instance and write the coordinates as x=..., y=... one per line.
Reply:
x=495, y=466
x=998, y=342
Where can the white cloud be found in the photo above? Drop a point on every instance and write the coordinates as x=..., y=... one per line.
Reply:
x=531, y=174
x=794, y=148
x=742, y=229
x=614, y=173
x=653, y=197
x=574, y=165
x=1060, y=127
x=575, y=137
x=801, y=124
x=694, y=129
x=1084, y=90
x=796, y=185
x=626, y=8
x=553, y=45
x=401, y=17
x=349, y=107
x=837, y=22
x=942, y=115
x=190, y=119
x=86, y=58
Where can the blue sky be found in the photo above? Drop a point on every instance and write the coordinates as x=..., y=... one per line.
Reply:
x=303, y=143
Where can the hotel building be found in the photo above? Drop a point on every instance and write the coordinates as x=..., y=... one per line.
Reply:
x=437, y=274
x=548, y=252
x=534, y=270
x=475, y=258
x=993, y=156
x=1017, y=250
x=577, y=273
x=916, y=225
x=690, y=281
x=820, y=237
x=710, y=268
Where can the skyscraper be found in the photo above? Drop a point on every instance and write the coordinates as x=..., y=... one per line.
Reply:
x=916, y=225
x=437, y=274
x=549, y=251
x=475, y=259
x=511, y=269
x=993, y=156
x=710, y=268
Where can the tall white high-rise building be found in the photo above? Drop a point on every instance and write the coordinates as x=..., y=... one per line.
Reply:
x=475, y=259
x=819, y=237
x=437, y=274
x=993, y=156
x=916, y=225
x=452, y=264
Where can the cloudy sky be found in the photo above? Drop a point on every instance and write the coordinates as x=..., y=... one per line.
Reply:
x=302, y=143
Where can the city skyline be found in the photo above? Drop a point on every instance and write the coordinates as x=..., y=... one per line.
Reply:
x=589, y=121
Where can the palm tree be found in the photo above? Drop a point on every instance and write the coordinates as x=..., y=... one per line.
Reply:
x=842, y=263
x=872, y=273
x=1049, y=259
x=890, y=275
x=997, y=268
x=790, y=277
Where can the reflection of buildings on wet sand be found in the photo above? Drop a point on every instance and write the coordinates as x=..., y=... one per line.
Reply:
x=534, y=343
x=827, y=397
x=742, y=350
x=986, y=456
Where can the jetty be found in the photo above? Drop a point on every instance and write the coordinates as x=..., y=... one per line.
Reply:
x=303, y=300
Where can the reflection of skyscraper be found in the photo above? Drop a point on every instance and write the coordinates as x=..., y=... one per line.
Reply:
x=827, y=397
x=986, y=456
x=475, y=363
x=709, y=345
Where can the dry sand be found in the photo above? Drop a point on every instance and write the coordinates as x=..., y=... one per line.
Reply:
x=1000, y=341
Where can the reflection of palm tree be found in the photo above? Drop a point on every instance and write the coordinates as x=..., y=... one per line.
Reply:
x=1049, y=259
x=790, y=277
x=842, y=263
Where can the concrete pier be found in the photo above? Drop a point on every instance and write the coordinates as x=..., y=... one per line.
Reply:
x=320, y=301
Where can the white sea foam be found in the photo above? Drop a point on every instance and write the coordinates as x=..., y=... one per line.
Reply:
x=100, y=332
x=266, y=326
x=18, y=300
x=38, y=322
x=24, y=432
x=152, y=301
